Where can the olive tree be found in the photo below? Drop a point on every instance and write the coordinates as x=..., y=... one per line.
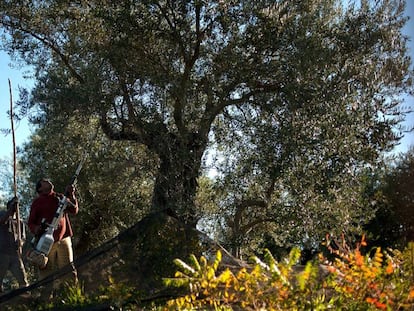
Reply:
x=284, y=90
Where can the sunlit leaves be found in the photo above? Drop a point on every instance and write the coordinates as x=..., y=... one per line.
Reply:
x=355, y=282
x=378, y=279
x=299, y=99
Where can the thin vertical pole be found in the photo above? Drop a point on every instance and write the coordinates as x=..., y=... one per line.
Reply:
x=18, y=233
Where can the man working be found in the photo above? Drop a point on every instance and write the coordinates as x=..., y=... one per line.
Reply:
x=43, y=209
x=11, y=257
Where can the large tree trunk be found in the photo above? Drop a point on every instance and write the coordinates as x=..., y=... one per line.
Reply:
x=179, y=156
x=176, y=181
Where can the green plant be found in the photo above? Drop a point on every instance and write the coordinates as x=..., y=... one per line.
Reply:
x=117, y=294
x=267, y=285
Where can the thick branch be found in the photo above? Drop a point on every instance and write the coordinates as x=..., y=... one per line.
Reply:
x=249, y=226
x=121, y=134
x=213, y=111
x=242, y=206
x=149, y=134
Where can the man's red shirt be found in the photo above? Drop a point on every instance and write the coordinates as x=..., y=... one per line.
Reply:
x=44, y=207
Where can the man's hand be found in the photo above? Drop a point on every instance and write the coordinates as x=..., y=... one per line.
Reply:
x=70, y=191
x=40, y=229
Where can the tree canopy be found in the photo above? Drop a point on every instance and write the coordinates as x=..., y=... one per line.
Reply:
x=296, y=98
x=393, y=225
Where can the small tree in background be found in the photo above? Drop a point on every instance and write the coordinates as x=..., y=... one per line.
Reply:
x=393, y=225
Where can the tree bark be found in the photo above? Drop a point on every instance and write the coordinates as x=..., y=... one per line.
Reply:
x=176, y=181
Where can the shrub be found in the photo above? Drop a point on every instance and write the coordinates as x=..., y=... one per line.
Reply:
x=383, y=280
x=377, y=281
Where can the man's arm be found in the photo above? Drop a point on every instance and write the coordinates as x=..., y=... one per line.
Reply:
x=70, y=194
x=33, y=222
x=4, y=218
x=11, y=209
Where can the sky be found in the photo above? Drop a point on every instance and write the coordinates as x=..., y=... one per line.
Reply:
x=10, y=71
x=408, y=30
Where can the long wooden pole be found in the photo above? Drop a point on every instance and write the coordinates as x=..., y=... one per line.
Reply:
x=19, y=234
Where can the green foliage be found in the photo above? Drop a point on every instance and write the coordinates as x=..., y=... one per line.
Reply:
x=296, y=98
x=118, y=295
x=108, y=166
x=74, y=295
x=268, y=284
x=69, y=295
x=393, y=225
